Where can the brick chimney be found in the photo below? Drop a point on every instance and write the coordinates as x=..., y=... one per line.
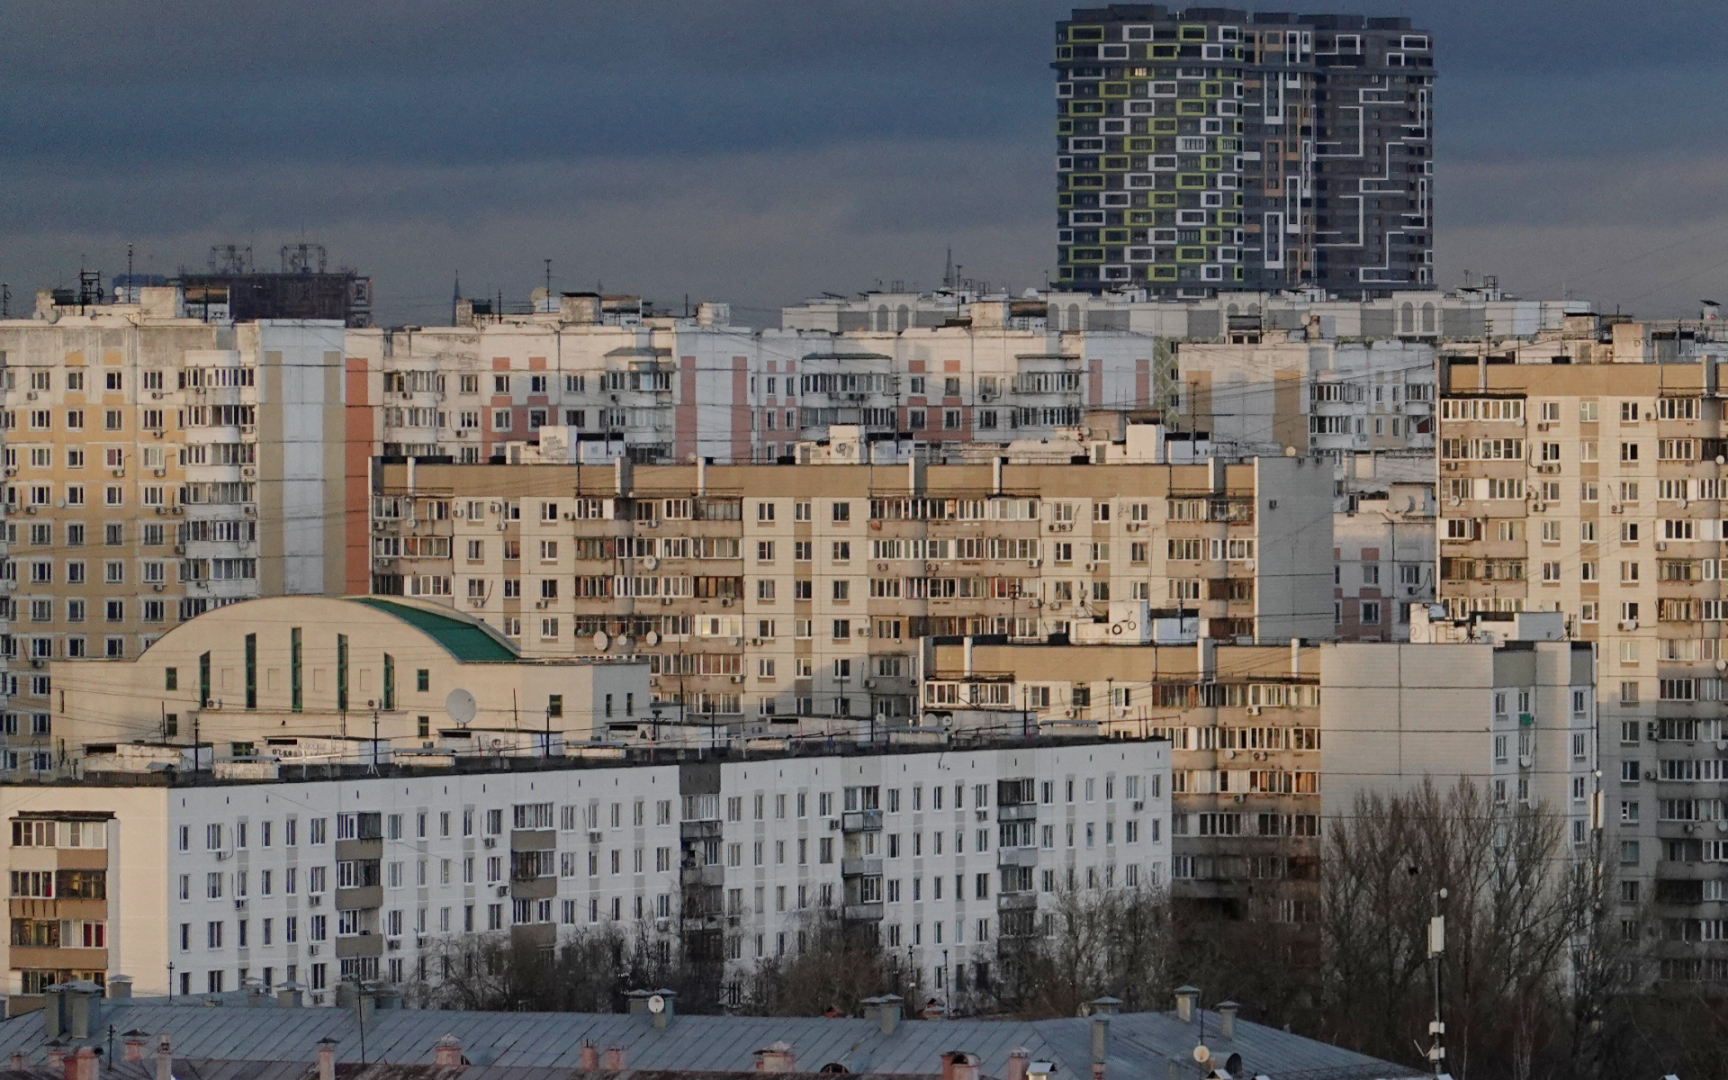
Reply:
x=164, y=1060
x=326, y=1059
x=1227, y=1019
x=959, y=1065
x=82, y=1064
x=613, y=1059
x=1019, y=1059
x=447, y=1052
x=589, y=1060
x=56, y=1056
x=776, y=1057
x=135, y=1046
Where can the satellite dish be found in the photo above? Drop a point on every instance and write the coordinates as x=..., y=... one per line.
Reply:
x=601, y=641
x=653, y=638
x=1201, y=1054
x=626, y=642
x=656, y=1003
x=461, y=706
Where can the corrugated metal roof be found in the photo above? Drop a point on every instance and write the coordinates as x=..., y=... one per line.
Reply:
x=547, y=1046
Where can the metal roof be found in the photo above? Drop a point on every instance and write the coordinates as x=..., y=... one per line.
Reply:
x=548, y=1045
x=464, y=640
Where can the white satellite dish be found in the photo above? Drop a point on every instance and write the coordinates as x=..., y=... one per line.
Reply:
x=601, y=641
x=656, y=1003
x=1202, y=1054
x=653, y=638
x=461, y=706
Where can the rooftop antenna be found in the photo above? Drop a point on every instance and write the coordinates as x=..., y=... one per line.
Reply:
x=5, y=300
x=948, y=269
x=455, y=297
x=129, y=282
x=548, y=263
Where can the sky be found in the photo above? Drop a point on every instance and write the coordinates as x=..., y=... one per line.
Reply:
x=761, y=151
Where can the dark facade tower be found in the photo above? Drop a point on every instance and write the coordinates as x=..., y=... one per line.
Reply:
x=1210, y=149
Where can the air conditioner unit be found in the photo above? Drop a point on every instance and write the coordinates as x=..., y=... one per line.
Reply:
x=393, y=944
x=665, y=601
x=1253, y=710
x=1237, y=798
x=502, y=525
x=312, y=950
x=594, y=836
x=477, y=601
x=161, y=472
x=248, y=472
x=1615, y=509
x=503, y=890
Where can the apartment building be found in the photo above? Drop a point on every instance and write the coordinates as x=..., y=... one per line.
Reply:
x=1243, y=724
x=157, y=466
x=1271, y=745
x=1207, y=149
x=757, y=590
x=194, y=885
x=1384, y=552
x=304, y=678
x=1504, y=700
x=1594, y=490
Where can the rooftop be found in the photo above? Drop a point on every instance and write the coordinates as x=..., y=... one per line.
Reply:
x=509, y=1045
x=466, y=640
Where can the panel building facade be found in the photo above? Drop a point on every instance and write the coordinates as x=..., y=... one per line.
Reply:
x=1596, y=491
x=203, y=887
x=1207, y=149
x=762, y=590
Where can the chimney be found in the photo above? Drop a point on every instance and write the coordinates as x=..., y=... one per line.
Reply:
x=289, y=995
x=613, y=1059
x=589, y=1060
x=447, y=1052
x=134, y=1046
x=660, y=1006
x=1227, y=1019
x=1019, y=1059
x=82, y=1064
x=256, y=995
x=164, y=1060
x=56, y=1056
x=959, y=1065
x=17, y=1061
x=326, y=1059
x=776, y=1057
x=119, y=987
x=53, y=1012
x=886, y=1009
x=1100, y=1029
x=1186, y=998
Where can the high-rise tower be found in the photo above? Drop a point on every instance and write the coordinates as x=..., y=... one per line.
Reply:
x=1208, y=149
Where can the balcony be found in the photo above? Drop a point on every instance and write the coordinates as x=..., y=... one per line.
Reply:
x=862, y=913
x=700, y=829
x=861, y=821
x=1016, y=901
x=540, y=888
x=367, y=944
x=1021, y=812
x=861, y=867
x=367, y=896
x=711, y=876
x=1017, y=856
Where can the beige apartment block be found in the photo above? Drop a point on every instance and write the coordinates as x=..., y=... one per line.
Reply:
x=1243, y=723
x=761, y=590
x=258, y=680
x=157, y=466
x=1596, y=490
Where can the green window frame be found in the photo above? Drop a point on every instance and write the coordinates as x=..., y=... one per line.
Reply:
x=170, y=678
x=251, y=671
x=1085, y=108
x=389, y=682
x=1190, y=254
x=341, y=672
x=1113, y=89
x=1164, y=52
x=1086, y=254
x=1086, y=181
x=1117, y=163
x=204, y=680
x=1191, y=107
x=1163, y=198
x=296, y=700
x=1163, y=273
x=423, y=680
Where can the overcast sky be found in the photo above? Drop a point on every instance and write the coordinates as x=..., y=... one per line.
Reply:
x=759, y=152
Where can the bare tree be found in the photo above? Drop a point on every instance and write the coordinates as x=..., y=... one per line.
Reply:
x=833, y=966
x=1116, y=942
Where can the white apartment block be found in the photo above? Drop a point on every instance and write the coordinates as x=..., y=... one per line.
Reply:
x=936, y=852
